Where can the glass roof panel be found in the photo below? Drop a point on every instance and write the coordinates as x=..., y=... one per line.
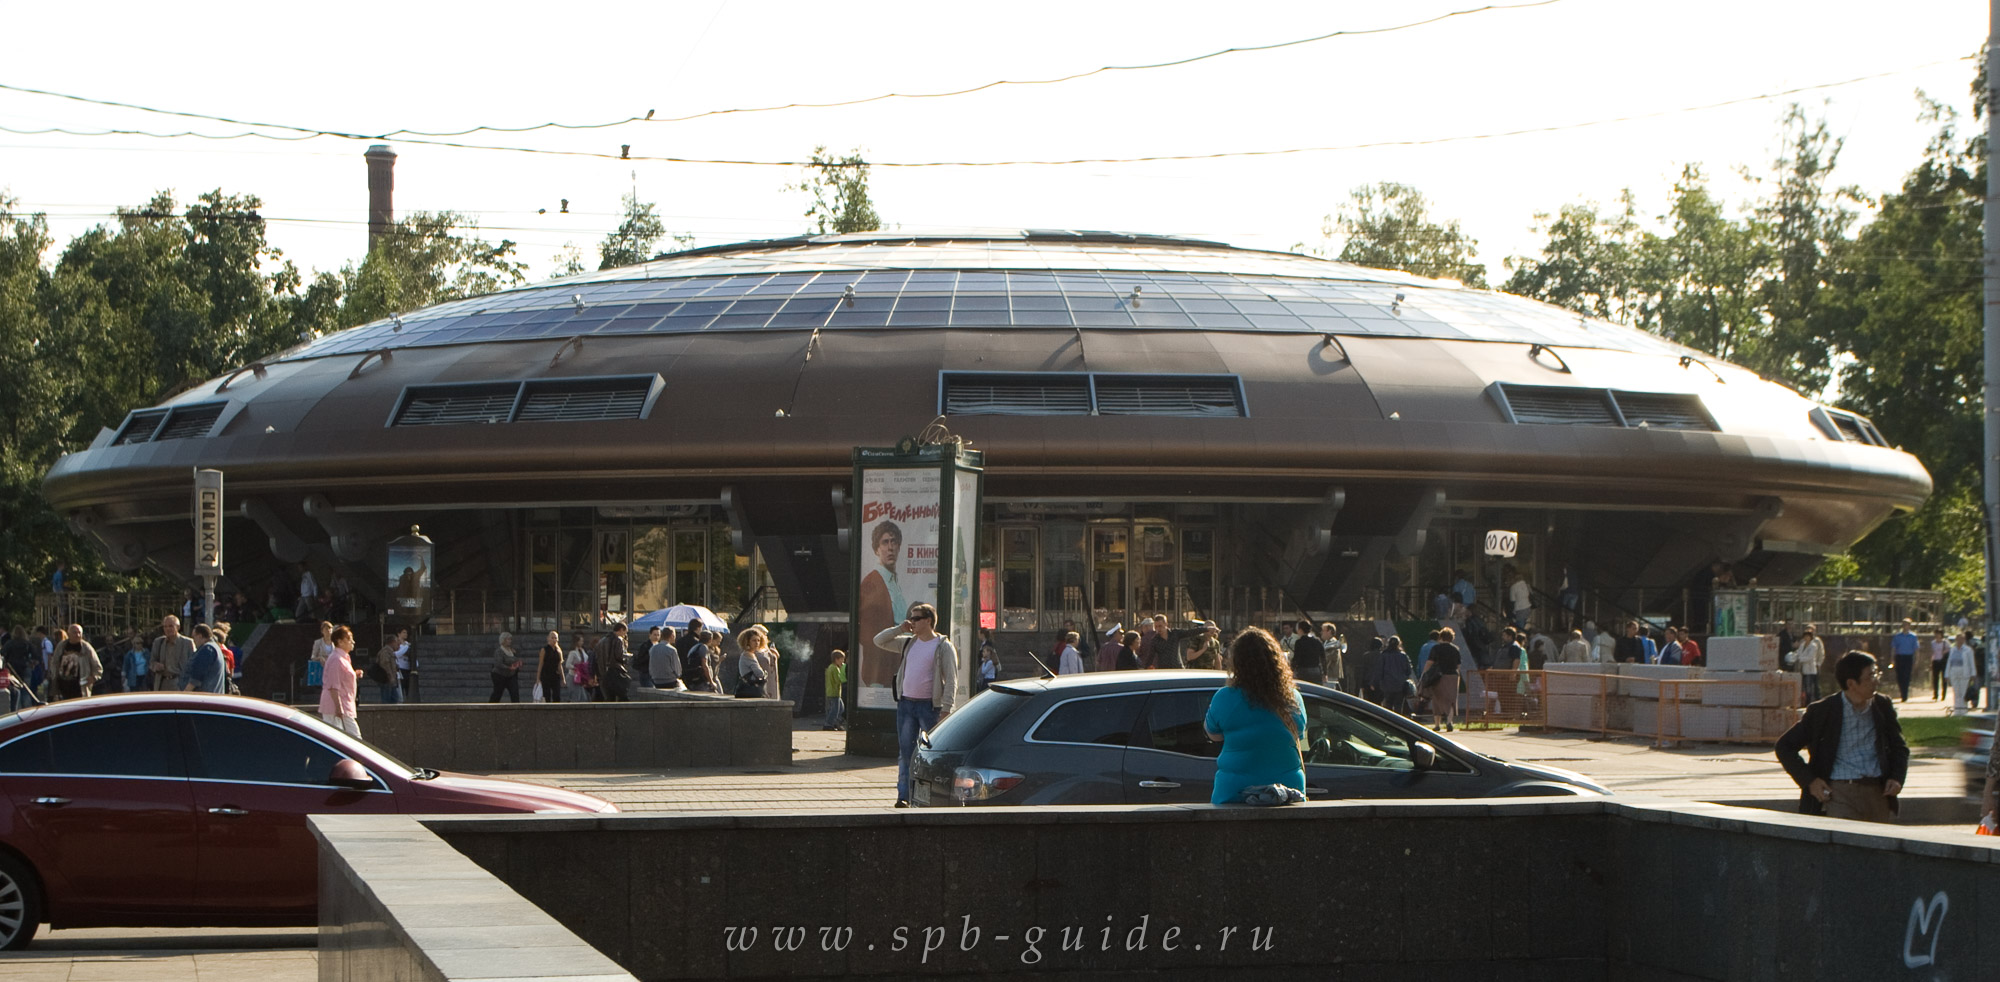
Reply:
x=1032, y=279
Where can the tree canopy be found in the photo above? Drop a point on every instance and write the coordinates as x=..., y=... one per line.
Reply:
x=839, y=191
x=1389, y=226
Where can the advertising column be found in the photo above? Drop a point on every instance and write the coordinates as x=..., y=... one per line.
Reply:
x=916, y=522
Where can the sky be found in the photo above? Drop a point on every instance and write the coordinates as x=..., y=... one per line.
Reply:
x=367, y=69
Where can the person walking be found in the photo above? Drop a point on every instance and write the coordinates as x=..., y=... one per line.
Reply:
x=505, y=670
x=1940, y=650
x=1903, y=654
x=1440, y=682
x=926, y=684
x=338, y=684
x=577, y=664
x=1859, y=759
x=1392, y=676
x=698, y=666
x=206, y=670
x=406, y=666
x=1205, y=652
x=613, y=666
x=387, y=672
x=549, y=668
x=1959, y=672
x=138, y=670
x=1260, y=720
x=1807, y=659
x=836, y=690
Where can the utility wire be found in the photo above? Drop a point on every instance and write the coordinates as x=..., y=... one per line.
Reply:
x=649, y=118
x=1156, y=158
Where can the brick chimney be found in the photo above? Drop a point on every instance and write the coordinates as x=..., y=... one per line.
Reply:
x=381, y=191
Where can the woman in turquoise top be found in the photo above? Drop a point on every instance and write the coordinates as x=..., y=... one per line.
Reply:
x=1258, y=718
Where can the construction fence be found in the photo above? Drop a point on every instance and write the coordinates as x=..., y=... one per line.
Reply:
x=1663, y=703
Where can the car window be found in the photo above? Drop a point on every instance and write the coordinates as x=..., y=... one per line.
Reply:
x=126, y=745
x=233, y=748
x=970, y=723
x=1342, y=738
x=1175, y=722
x=1103, y=720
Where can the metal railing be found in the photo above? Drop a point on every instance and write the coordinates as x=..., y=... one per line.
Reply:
x=1833, y=609
x=103, y=612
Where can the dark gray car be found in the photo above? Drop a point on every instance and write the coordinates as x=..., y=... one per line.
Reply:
x=1137, y=738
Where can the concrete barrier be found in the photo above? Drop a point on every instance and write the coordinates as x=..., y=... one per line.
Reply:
x=663, y=731
x=1544, y=889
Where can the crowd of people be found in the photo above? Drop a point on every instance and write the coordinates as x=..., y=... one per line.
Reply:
x=49, y=664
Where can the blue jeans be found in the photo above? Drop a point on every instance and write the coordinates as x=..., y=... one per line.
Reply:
x=836, y=711
x=913, y=716
x=391, y=694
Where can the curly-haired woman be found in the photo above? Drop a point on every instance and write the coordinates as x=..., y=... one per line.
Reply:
x=1259, y=719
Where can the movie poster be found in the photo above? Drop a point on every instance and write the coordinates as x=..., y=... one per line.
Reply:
x=964, y=539
x=900, y=509
x=410, y=579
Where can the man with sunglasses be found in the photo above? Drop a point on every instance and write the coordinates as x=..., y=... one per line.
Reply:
x=1859, y=759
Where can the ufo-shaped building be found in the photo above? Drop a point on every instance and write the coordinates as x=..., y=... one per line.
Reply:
x=1168, y=425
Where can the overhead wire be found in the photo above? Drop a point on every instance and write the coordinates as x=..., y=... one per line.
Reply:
x=649, y=118
x=1152, y=158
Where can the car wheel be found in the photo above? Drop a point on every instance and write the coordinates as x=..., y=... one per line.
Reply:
x=20, y=903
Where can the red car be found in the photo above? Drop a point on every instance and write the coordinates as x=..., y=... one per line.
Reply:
x=177, y=809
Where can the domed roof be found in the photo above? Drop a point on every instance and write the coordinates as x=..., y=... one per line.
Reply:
x=983, y=280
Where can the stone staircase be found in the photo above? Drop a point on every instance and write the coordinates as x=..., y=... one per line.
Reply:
x=453, y=668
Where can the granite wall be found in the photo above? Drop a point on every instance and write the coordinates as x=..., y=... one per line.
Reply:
x=1539, y=889
x=667, y=731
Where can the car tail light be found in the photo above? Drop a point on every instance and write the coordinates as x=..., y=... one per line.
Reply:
x=981, y=783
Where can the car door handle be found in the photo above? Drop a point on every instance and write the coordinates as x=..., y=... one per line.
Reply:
x=52, y=802
x=1312, y=790
x=227, y=810
x=1159, y=784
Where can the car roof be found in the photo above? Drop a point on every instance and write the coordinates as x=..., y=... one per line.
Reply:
x=125, y=702
x=1114, y=681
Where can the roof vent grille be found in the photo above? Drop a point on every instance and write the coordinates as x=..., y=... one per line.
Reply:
x=1017, y=395
x=139, y=427
x=457, y=404
x=1560, y=407
x=1169, y=395
x=1663, y=410
x=558, y=403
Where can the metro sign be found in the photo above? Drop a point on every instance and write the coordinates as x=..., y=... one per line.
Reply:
x=208, y=522
x=1501, y=543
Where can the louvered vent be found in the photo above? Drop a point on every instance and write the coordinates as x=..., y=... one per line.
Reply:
x=187, y=422
x=1673, y=411
x=139, y=427
x=1017, y=395
x=452, y=405
x=1560, y=407
x=1854, y=429
x=552, y=403
x=1169, y=395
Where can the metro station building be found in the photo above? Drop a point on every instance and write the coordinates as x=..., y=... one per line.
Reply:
x=1168, y=424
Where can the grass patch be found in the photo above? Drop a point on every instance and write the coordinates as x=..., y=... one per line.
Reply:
x=1935, y=731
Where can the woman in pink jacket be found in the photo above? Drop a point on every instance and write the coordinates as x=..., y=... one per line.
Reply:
x=336, y=694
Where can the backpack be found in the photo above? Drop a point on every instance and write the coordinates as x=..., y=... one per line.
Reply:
x=378, y=668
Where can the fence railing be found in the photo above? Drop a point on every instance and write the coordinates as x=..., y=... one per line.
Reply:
x=105, y=612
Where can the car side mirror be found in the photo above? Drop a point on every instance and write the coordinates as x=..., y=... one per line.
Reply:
x=348, y=774
x=1423, y=755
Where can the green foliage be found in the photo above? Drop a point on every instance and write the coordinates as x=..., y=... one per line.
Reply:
x=1388, y=226
x=839, y=190
x=165, y=297
x=427, y=258
x=633, y=240
x=1835, y=570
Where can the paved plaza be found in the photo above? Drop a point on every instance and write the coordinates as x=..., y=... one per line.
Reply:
x=824, y=776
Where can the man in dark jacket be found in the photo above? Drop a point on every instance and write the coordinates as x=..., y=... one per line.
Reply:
x=614, y=666
x=1859, y=759
x=1308, y=656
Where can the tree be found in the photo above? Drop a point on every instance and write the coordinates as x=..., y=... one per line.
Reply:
x=1388, y=226
x=633, y=240
x=427, y=258
x=1804, y=220
x=1590, y=263
x=1904, y=301
x=839, y=190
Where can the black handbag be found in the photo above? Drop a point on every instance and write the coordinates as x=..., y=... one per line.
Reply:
x=750, y=686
